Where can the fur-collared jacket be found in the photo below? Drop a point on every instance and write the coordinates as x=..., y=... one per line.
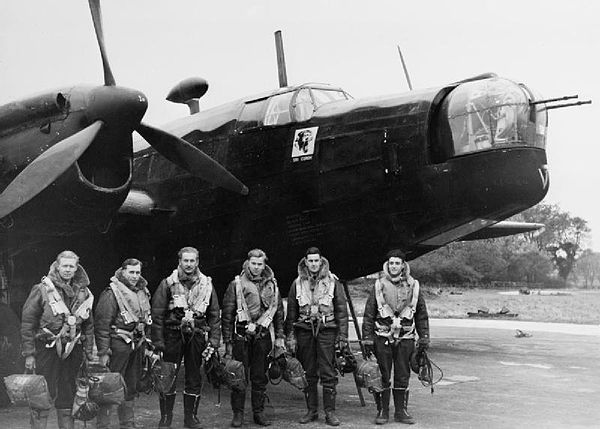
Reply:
x=108, y=313
x=258, y=303
x=398, y=293
x=166, y=316
x=37, y=313
x=299, y=312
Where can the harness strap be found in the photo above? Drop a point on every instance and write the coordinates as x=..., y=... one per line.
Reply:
x=242, y=305
x=125, y=309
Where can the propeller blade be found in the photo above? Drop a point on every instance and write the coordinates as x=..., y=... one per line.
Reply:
x=109, y=79
x=46, y=168
x=191, y=159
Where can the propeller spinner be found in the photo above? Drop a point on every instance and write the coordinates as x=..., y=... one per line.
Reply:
x=116, y=108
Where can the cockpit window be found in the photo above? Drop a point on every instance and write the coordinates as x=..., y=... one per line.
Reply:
x=278, y=109
x=303, y=106
x=324, y=96
x=492, y=113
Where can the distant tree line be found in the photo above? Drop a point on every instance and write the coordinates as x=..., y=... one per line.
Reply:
x=550, y=256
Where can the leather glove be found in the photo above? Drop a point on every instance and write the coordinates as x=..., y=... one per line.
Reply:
x=280, y=343
x=369, y=349
x=104, y=360
x=291, y=344
x=30, y=363
x=229, y=349
x=423, y=344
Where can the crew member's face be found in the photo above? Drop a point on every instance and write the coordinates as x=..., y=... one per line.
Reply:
x=395, y=265
x=67, y=268
x=256, y=265
x=132, y=274
x=188, y=262
x=313, y=262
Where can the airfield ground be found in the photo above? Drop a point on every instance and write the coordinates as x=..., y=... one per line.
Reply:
x=491, y=379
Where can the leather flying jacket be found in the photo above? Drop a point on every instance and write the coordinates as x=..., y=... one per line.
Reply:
x=108, y=317
x=38, y=320
x=258, y=304
x=296, y=314
x=372, y=317
x=165, y=316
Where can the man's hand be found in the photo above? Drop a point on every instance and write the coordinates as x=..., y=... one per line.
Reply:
x=291, y=344
x=229, y=350
x=104, y=360
x=280, y=343
x=208, y=352
x=423, y=344
x=89, y=356
x=342, y=343
x=30, y=363
x=369, y=349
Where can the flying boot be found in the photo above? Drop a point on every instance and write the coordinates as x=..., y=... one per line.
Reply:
x=401, y=407
x=238, y=400
x=190, y=408
x=382, y=399
x=329, y=405
x=166, y=402
x=258, y=407
x=312, y=404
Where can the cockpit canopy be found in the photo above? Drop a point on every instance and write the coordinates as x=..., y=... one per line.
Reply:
x=295, y=104
x=492, y=113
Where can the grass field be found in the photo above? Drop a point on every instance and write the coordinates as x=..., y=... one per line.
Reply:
x=569, y=306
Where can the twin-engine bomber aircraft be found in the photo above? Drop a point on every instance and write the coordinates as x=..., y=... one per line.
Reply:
x=307, y=164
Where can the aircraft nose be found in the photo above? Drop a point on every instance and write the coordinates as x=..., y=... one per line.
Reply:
x=117, y=106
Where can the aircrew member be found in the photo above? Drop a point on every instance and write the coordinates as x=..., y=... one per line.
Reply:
x=57, y=329
x=317, y=322
x=395, y=316
x=122, y=319
x=252, y=307
x=185, y=313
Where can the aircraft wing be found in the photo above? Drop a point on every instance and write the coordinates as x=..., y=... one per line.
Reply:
x=502, y=229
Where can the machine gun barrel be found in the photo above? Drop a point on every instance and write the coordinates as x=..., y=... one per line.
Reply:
x=550, y=100
x=560, y=106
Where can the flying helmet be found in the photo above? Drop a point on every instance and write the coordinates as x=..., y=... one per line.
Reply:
x=419, y=364
x=368, y=375
x=235, y=375
x=294, y=373
x=345, y=361
x=163, y=376
x=276, y=361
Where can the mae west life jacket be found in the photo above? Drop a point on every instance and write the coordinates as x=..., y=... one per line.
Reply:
x=397, y=329
x=70, y=331
x=243, y=315
x=129, y=315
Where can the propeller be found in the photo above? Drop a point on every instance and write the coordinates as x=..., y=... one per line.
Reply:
x=46, y=168
x=109, y=79
x=114, y=108
x=188, y=157
x=171, y=147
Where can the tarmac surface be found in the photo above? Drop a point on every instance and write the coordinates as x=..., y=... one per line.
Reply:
x=492, y=379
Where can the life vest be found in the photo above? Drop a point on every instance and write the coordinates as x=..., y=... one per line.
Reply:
x=196, y=299
x=317, y=304
x=397, y=329
x=70, y=331
x=243, y=315
x=125, y=297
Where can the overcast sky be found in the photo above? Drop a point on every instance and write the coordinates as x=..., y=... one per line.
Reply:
x=552, y=46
